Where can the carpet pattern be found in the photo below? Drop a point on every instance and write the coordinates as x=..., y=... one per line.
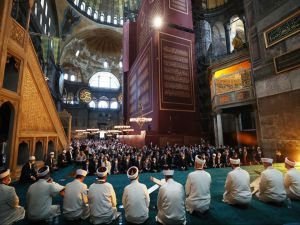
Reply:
x=220, y=213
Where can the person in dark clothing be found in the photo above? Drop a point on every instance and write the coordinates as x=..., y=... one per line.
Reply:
x=62, y=159
x=28, y=173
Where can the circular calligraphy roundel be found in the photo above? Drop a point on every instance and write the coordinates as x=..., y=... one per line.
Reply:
x=85, y=96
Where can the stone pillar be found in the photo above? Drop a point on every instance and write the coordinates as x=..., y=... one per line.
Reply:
x=227, y=36
x=216, y=131
x=237, y=129
x=220, y=129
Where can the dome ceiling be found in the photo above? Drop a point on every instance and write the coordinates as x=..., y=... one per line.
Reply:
x=94, y=47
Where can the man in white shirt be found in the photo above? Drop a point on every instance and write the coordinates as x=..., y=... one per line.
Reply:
x=102, y=200
x=197, y=188
x=39, y=197
x=135, y=199
x=10, y=211
x=237, y=185
x=75, y=200
x=271, y=188
x=170, y=201
x=292, y=179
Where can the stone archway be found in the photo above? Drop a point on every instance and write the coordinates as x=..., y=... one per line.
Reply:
x=6, y=132
x=39, y=151
x=23, y=153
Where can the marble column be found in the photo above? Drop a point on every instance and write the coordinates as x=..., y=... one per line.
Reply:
x=227, y=36
x=220, y=129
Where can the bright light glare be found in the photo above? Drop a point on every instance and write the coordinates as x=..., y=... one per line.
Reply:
x=77, y=53
x=157, y=22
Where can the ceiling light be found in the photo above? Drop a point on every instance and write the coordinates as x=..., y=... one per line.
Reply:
x=77, y=53
x=157, y=22
x=120, y=64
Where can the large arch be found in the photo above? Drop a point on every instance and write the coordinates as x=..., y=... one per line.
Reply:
x=7, y=116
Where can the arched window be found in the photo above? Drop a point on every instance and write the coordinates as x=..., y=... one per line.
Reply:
x=70, y=99
x=108, y=20
x=89, y=11
x=76, y=2
x=41, y=19
x=115, y=20
x=73, y=78
x=82, y=7
x=42, y=3
x=102, y=17
x=92, y=104
x=104, y=80
x=114, y=104
x=96, y=15
x=46, y=10
x=219, y=39
x=236, y=29
x=103, y=103
x=121, y=21
x=35, y=9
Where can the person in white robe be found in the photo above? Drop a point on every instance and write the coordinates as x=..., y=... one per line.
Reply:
x=237, y=185
x=39, y=197
x=197, y=188
x=75, y=204
x=102, y=200
x=292, y=179
x=170, y=201
x=10, y=210
x=135, y=198
x=271, y=187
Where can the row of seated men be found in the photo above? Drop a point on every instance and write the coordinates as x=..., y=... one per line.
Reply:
x=99, y=203
x=149, y=161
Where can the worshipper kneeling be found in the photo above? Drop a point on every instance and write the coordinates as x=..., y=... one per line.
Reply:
x=51, y=162
x=170, y=201
x=197, y=188
x=271, y=188
x=292, y=180
x=28, y=173
x=135, y=199
x=237, y=185
x=39, y=198
x=75, y=205
x=10, y=211
x=102, y=200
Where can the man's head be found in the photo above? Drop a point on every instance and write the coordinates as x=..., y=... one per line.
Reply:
x=102, y=173
x=43, y=172
x=235, y=162
x=199, y=162
x=168, y=173
x=52, y=154
x=32, y=159
x=81, y=174
x=5, y=176
x=133, y=173
x=267, y=162
x=289, y=163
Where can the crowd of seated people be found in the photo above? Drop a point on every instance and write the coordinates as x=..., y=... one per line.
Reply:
x=118, y=157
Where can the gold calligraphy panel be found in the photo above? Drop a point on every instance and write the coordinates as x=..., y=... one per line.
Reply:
x=176, y=73
x=140, y=83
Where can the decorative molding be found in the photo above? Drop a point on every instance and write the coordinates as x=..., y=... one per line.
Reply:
x=17, y=33
x=282, y=30
x=287, y=61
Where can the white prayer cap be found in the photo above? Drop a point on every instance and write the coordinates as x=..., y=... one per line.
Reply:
x=102, y=172
x=200, y=161
x=43, y=171
x=290, y=162
x=132, y=172
x=4, y=173
x=81, y=172
x=235, y=161
x=214, y=154
x=64, y=151
x=267, y=160
x=32, y=158
x=168, y=172
x=51, y=153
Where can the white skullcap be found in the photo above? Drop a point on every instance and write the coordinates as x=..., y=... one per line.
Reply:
x=102, y=174
x=235, y=161
x=214, y=154
x=32, y=158
x=289, y=162
x=168, y=172
x=81, y=172
x=199, y=160
x=64, y=151
x=51, y=153
x=43, y=173
x=267, y=160
x=5, y=173
x=132, y=176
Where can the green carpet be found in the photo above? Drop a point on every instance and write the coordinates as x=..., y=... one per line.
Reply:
x=220, y=213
